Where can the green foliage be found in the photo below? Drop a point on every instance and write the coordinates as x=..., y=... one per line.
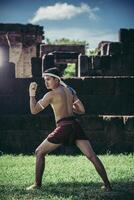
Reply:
x=67, y=41
x=70, y=70
x=66, y=178
x=93, y=52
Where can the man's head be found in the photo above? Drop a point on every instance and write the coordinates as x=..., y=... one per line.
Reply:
x=52, y=78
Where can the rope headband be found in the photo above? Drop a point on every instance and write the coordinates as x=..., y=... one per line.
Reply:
x=54, y=75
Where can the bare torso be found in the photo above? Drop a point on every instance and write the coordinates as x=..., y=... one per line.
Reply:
x=62, y=102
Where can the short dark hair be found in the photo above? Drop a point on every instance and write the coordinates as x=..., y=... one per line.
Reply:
x=53, y=70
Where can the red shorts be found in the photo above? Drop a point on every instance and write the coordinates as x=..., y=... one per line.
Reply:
x=68, y=130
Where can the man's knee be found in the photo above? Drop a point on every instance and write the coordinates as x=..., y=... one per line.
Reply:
x=91, y=156
x=39, y=152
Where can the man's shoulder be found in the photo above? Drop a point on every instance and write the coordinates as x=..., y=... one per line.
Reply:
x=71, y=90
x=48, y=95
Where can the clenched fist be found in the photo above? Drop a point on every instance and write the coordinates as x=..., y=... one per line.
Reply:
x=32, y=89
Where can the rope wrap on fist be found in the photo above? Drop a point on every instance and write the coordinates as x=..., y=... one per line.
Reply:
x=32, y=89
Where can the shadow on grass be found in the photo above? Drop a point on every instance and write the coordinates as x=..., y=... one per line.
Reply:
x=72, y=191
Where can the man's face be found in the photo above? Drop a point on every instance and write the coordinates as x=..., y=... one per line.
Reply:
x=50, y=82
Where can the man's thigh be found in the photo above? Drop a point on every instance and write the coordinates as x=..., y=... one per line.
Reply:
x=46, y=147
x=85, y=147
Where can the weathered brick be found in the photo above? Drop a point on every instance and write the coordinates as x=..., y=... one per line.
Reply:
x=7, y=71
x=83, y=65
x=36, y=67
x=129, y=125
x=98, y=86
x=92, y=123
x=114, y=132
x=124, y=86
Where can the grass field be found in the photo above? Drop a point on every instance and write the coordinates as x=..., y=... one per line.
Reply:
x=66, y=177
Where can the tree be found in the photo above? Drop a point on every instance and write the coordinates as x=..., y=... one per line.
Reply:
x=67, y=41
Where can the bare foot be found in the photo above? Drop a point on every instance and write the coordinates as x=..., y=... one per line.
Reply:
x=106, y=188
x=32, y=187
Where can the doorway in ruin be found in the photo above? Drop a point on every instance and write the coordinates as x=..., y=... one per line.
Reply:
x=65, y=57
x=67, y=62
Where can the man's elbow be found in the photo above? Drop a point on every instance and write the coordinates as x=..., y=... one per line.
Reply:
x=83, y=112
x=34, y=112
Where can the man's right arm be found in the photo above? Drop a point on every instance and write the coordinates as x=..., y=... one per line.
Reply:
x=35, y=106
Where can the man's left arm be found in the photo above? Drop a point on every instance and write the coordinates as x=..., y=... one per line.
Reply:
x=78, y=106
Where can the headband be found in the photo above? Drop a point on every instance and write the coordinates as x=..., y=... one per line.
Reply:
x=53, y=75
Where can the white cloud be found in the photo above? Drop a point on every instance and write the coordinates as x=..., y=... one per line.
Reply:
x=61, y=11
x=92, y=37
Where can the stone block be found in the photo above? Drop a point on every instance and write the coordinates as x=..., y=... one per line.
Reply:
x=4, y=52
x=30, y=122
x=92, y=123
x=128, y=64
x=115, y=48
x=75, y=83
x=98, y=86
x=48, y=61
x=10, y=122
x=7, y=71
x=84, y=64
x=108, y=104
x=124, y=35
x=7, y=86
x=94, y=104
x=105, y=64
x=114, y=132
x=103, y=48
x=124, y=86
x=122, y=65
x=96, y=62
x=129, y=139
x=116, y=65
x=60, y=55
x=47, y=122
x=48, y=48
x=131, y=34
x=9, y=104
x=128, y=48
x=97, y=140
x=129, y=146
x=129, y=126
x=36, y=67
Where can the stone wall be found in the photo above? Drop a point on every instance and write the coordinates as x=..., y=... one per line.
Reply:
x=23, y=133
x=105, y=86
x=21, y=42
x=47, y=48
x=109, y=121
x=101, y=96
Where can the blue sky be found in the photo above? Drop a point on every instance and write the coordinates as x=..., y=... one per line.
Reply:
x=92, y=21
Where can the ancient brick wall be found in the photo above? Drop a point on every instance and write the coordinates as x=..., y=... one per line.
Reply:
x=105, y=86
x=101, y=96
x=21, y=42
x=46, y=48
x=23, y=133
x=107, y=101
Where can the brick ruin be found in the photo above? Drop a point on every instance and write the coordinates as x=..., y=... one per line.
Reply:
x=105, y=84
x=19, y=44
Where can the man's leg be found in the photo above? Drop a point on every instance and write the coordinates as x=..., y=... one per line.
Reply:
x=85, y=147
x=44, y=148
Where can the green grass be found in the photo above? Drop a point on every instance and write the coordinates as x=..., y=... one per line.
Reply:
x=66, y=177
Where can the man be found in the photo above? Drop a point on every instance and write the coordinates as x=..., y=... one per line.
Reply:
x=64, y=102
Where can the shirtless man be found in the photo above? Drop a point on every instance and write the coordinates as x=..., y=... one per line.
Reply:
x=64, y=102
